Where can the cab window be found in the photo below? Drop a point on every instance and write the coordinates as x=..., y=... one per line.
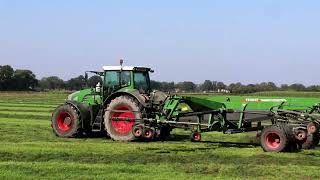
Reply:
x=112, y=79
x=125, y=78
x=141, y=81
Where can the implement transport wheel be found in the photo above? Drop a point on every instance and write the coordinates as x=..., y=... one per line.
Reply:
x=301, y=135
x=274, y=139
x=137, y=131
x=148, y=133
x=66, y=122
x=195, y=137
x=312, y=128
x=311, y=141
x=128, y=110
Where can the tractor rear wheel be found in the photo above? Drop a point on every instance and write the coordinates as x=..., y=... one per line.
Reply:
x=66, y=121
x=127, y=110
x=274, y=139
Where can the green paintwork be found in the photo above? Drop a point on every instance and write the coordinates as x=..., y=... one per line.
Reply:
x=237, y=102
x=204, y=103
x=90, y=97
x=171, y=106
x=180, y=104
x=86, y=96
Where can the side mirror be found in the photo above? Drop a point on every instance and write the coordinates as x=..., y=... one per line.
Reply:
x=86, y=79
x=86, y=76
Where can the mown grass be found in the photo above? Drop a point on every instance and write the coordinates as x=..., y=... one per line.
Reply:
x=29, y=150
x=288, y=94
x=266, y=93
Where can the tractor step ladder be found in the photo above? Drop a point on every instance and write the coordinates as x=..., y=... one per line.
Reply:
x=97, y=123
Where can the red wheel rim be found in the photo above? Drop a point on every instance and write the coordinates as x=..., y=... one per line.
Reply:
x=138, y=132
x=64, y=121
x=301, y=135
x=197, y=137
x=148, y=134
x=273, y=140
x=123, y=127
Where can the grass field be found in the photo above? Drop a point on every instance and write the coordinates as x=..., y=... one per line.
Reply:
x=29, y=150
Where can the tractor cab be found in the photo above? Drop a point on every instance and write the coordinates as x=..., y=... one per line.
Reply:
x=126, y=78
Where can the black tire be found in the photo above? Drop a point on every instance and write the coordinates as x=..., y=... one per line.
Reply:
x=66, y=122
x=274, y=139
x=311, y=141
x=122, y=130
x=137, y=131
x=148, y=133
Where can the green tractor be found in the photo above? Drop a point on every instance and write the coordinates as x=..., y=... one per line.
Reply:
x=125, y=93
x=125, y=107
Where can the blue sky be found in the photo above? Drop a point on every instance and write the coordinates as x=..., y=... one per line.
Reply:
x=229, y=41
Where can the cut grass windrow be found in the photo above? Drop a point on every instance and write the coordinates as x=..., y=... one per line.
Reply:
x=25, y=113
x=28, y=105
x=27, y=110
x=50, y=103
x=25, y=116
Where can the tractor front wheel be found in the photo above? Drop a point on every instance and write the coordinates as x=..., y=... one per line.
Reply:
x=120, y=118
x=66, y=121
x=274, y=139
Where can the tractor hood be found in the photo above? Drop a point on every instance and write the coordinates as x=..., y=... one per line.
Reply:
x=80, y=95
x=86, y=96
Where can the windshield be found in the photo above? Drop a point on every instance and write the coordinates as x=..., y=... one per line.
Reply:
x=141, y=81
x=112, y=79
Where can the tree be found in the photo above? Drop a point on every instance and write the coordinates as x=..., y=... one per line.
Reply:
x=272, y=86
x=313, y=88
x=76, y=83
x=187, y=86
x=236, y=88
x=162, y=86
x=94, y=80
x=52, y=82
x=6, y=77
x=266, y=86
x=297, y=87
x=284, y=87
x=168, y=86
x=250, y=88
x=221, y=85
x=155, y=85
x=206, y=86
x=24, y=80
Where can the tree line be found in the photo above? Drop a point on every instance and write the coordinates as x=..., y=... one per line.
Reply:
x=237, y=88
x=23, y=79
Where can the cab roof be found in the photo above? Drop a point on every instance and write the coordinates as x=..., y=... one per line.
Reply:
x=125, y=68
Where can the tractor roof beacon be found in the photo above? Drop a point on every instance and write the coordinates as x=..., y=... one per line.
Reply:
x=125, y=106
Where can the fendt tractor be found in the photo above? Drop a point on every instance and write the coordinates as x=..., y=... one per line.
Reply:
x=127, y=109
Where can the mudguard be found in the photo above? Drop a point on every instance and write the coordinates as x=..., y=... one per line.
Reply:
x=143, y=100
x=85, y=112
